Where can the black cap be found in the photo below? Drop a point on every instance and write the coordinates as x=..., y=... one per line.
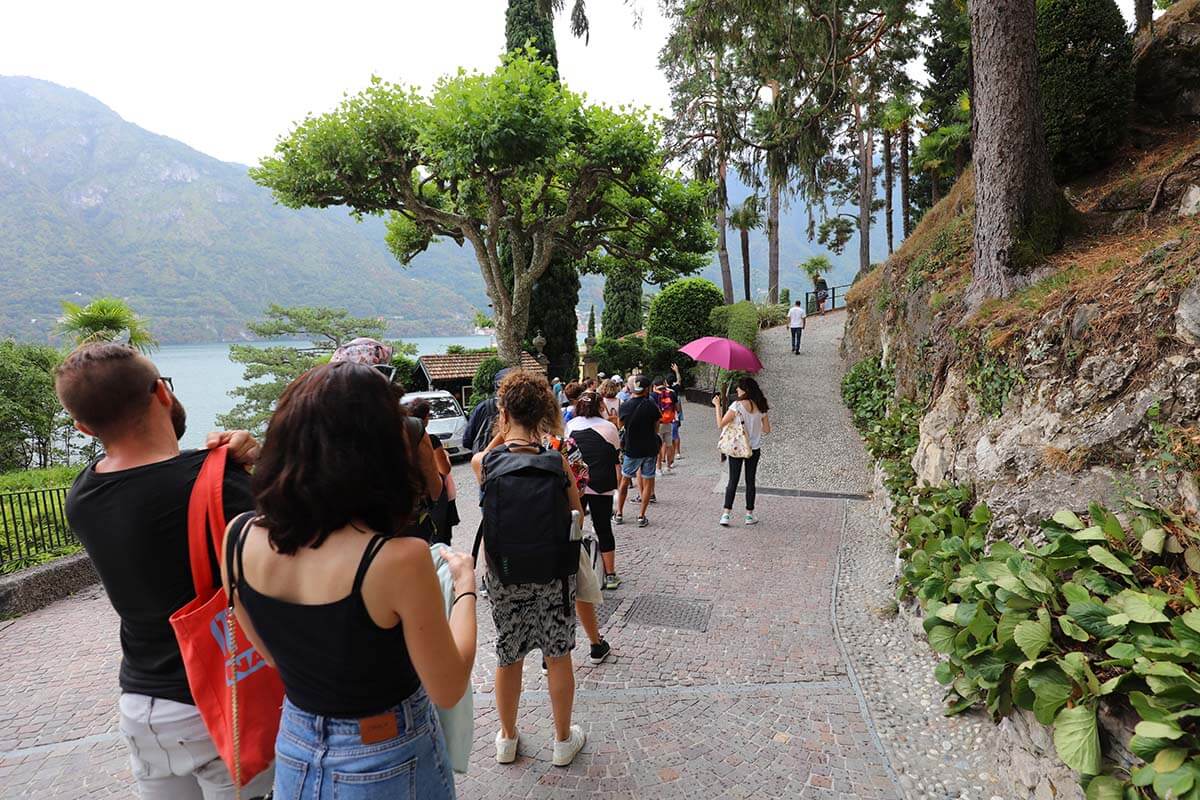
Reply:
x=641, y=384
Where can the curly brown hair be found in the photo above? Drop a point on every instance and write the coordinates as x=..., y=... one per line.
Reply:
x=589, y=404
x=610, y=388
x=528, y=401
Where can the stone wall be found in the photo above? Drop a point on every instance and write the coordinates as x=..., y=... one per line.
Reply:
x=33, y=588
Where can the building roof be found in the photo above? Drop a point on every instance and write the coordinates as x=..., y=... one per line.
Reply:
x=462, y=366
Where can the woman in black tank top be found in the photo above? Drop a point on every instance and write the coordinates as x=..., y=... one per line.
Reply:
x=352, y=616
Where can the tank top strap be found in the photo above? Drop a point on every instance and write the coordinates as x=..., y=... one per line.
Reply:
x=235, y=545
x=369, y=552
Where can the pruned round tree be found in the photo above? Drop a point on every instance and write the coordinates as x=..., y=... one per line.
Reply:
x=680, y=311
x=512, y=155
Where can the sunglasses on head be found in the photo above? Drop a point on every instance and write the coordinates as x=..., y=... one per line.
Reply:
x=387, y=370
x=170, y=384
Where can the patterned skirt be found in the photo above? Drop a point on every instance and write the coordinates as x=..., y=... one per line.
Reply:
x=531, y=616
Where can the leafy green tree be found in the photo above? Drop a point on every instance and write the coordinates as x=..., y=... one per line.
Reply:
x=510, y=155
x=680, y=311
x=484, y=381
x=622, y=313
x=816, y=266
x=1086, y=77
x=30, y=415
x=105, y=319
x=527, y=23
x=270, y=369
x=745, y=218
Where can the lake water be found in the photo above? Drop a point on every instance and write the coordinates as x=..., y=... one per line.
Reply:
x=203, y=376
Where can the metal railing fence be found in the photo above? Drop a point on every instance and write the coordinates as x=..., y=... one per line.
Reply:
x=33, y=528
x=835, y=298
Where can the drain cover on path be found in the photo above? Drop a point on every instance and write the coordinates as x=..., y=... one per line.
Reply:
x=664, y=611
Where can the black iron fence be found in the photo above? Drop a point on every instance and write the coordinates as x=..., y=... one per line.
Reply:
x=835, y=297
x=33, y=528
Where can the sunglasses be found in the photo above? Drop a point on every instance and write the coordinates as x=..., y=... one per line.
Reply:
x=387, y=370
x=163, y=378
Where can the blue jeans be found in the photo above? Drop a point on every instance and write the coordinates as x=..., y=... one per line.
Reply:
x=322, y=758
x=797, y=333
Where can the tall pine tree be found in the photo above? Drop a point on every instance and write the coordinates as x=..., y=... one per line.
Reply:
x=622, y=303
x=556, y=294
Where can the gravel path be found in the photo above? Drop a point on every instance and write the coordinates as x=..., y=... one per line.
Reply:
x=814, y=447
x=931, y=755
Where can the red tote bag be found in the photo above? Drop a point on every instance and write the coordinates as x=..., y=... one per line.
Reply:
x=239, y=696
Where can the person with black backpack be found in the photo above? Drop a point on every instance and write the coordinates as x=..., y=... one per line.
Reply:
x=532, y=548
x=600, y=444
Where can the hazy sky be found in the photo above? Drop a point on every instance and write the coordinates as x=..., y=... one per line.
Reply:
x=229, y=77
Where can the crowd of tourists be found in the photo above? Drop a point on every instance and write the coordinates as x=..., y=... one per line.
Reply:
x=334, y=568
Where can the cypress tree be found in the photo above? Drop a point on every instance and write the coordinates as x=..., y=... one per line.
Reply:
x=622, y=303
x=556, y=294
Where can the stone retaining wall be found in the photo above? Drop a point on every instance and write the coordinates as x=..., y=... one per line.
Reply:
x=33, y=588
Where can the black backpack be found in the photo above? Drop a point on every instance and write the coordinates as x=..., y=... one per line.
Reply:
x=487, y=427
x=600, y=457
x=526, y=525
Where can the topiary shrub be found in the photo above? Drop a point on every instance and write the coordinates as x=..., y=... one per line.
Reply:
x=681, y=310
x=619, y=356
x=1084, y=66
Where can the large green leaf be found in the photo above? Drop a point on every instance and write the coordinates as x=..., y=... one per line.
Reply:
x=1192, y=619
x=1146, y=747
x=1170, y=759
x=1092, y=534
x=1139, y=607
x=1068, y=519
x=941, y=638
x=1158, y=730
x=1153, y=540
x=1174, y=784
x=1074, y=592
x=1071, y=629
x=1032, y=637
x=1093, y=616
x=1077, y=739
x=1104, y=557
x=1105, y=787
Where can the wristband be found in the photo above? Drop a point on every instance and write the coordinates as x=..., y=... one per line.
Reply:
x=461, y=596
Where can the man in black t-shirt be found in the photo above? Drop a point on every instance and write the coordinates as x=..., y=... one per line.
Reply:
x=129, y=509
x=640, y=419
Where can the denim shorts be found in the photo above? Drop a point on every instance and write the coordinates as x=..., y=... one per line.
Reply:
x=631, y=466
x=675, y=430
x=323, y=758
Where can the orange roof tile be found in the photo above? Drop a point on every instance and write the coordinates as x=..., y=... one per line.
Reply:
x=462, y=366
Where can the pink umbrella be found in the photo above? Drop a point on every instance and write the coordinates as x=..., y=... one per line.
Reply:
x=725, y=353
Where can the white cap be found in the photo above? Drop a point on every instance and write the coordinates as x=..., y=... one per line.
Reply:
x=616, y=378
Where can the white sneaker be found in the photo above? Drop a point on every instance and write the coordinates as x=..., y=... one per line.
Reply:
x=725, y=520
x=751, y=520
x=506, y=749
x=565, y=752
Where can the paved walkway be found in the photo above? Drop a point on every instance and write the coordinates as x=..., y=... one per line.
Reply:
x=728, y=679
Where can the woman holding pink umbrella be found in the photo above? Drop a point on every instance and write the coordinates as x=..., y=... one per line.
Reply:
x=750, y=412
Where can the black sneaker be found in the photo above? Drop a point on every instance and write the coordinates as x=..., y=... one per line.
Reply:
x=653, y=498
x=600, y=652
x=643, y=522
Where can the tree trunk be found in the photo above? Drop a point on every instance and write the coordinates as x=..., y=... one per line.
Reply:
x=905, y=180
x=773, y=241
x=1019, y=212
x=722, y=240
x=1143, y=13
x=509, y=334
x=866, y=189
x=746, y=260
x=889, y=181
x=935, y=186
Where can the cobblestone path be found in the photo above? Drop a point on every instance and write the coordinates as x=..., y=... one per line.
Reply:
x=727, y=679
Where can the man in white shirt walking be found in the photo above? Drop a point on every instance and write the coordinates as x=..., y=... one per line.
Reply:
x=796, y=318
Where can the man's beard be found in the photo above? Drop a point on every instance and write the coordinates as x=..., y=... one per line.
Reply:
x=178, y=417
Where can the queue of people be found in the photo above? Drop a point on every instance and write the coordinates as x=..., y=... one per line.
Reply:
x=327, y=565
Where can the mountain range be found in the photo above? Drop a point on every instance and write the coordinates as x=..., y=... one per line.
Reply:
x=91, y=204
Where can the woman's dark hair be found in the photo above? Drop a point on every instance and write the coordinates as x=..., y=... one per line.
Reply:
x=420, y=408
x=753, y=393
x=589, y=404
x=335, y=452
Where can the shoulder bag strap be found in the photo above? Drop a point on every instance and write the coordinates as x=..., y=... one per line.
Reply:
x=206, y=491
x=235, y=543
